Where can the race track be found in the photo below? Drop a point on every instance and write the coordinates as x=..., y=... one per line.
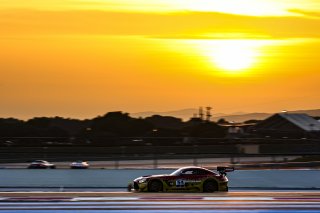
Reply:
x=122, y=202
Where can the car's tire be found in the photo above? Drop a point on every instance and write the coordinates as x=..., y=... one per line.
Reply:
x=155, y=186
x=52, y=167
x=210, y=186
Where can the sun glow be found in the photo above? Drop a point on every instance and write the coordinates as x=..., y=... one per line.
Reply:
x=233, y=56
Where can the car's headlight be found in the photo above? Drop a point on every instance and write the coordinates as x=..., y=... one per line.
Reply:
x=143, y=180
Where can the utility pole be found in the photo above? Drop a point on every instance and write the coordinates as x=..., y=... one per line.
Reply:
x=208, y=114
x=201, y=114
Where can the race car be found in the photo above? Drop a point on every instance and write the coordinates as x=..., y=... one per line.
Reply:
x=193, y=179
x=41, y=164
x=79, y=165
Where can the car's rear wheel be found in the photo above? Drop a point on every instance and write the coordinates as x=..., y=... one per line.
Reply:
x=155, y=186
x=210, y=186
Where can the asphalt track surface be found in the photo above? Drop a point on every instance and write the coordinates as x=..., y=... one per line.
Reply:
x=125, y=202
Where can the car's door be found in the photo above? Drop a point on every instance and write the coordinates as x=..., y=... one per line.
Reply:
x=186, y=179
x=180, y=181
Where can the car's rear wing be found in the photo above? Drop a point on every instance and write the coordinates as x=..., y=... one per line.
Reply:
x=224, y=169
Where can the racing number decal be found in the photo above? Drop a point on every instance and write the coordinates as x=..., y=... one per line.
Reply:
x=180, y=183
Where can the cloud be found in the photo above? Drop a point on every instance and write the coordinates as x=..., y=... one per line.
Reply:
x=311, y=14
x=184, y=24
x=214, y=36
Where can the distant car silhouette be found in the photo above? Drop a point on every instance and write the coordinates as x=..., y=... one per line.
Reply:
x=193, y=178
x=41, y=164
x=79, y=165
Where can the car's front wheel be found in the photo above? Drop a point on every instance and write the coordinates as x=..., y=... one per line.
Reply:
x=210, y=186
x=155, y=186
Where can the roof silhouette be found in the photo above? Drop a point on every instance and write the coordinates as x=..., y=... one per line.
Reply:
x=303, y=121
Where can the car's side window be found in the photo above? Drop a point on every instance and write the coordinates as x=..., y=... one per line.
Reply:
x=194, y=172
x=201, y=172
x=187, y=172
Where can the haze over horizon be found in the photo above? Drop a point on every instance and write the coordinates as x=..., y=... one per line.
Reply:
x=81, y=58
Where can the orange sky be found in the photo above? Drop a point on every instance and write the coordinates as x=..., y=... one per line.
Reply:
x=79, y=59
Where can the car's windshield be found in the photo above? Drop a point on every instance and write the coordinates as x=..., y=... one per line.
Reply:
x=40, y=161
x=176, y=173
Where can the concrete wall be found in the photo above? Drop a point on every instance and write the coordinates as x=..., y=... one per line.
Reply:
x=275, y=178
x=71, y=178
x=120, y=178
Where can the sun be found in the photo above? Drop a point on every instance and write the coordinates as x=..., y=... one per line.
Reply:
x=233, y=56
x=225, y=57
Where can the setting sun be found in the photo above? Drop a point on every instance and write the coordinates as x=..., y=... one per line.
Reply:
x=230, y=56
x=234, y=56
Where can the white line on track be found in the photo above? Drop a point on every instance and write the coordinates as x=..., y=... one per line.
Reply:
x=238, y=198
x=103, y=198
x=169, y=198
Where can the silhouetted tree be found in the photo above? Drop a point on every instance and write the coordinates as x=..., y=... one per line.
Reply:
x=121, y=124
x=222, y=121
x=165, y=122
x=252, y=121
x=207, y=129
x=11, y=127
x=42, y=122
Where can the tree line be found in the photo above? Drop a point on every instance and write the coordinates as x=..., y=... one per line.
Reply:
x=112, y=125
